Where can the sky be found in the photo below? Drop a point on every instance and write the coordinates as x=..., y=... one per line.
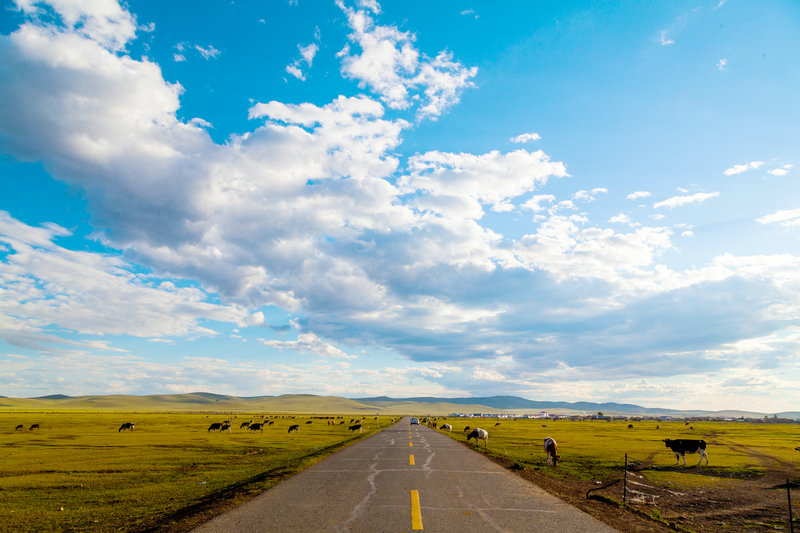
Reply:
x=594, y=201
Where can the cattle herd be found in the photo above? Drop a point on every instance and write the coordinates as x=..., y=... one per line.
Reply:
x=680, y=447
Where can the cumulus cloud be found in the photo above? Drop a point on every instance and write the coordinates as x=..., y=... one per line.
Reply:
x=306, y=58
x=525, y=137
x=638, y=194
x=677, y=201
x=90, y=293
x=739, y=169
x=389, y=64
x=786, y=217
x=781, y=171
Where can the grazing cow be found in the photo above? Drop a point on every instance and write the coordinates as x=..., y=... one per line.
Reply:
x=479, y=434
x=216, y=426
x=466, y=429
x=126, y=426
x=355, y=427
x=798, y=448
x=551, y=449
x=19, y=427
x=544, y=425
x=683, y=446
x=294, y=427
x=446, y=427
x=310, y=421
x=225, y=427
x=245, y=425
x=271, y=423
x=658, y=426
x=34, y=426
x=630, y=426
x=497, y=424
x=256, y=427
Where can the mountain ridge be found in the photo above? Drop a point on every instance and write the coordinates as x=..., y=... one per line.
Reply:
x=311, y=403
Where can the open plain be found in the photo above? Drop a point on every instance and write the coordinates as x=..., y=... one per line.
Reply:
x=78, y=472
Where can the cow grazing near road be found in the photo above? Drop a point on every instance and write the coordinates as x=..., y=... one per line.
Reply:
x=127, y=426
x=446, y=427
x=225, y=427
x=466, y=429
x=479, y=434
x=683, y=446
x=294, y=427
x=19, y=427
x=256, y=427
x=355, y=427
x=34, y=426
x=551, y=449
x=216, y=426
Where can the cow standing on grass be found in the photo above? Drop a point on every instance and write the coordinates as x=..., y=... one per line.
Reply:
x=479, y=434
x=127, y=426
x=683, y=446
x=551, y=449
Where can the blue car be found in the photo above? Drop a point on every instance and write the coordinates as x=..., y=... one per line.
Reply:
x=415, y=421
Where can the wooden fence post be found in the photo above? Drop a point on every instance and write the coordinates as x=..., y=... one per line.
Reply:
x=625, y=481
x=789, y=497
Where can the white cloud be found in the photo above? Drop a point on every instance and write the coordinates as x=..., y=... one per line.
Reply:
x=90, y=293
x=535, y=203
x=390, y=65
x=677, y=201
x=308, y=342
x=786, y=217
x=722, y=64
x=638, y=194
x=781, y=171
x=738, y=169
x=525, y=137
x=307, y=54
x=664, y=39
x=208, y=53
x=621, y=218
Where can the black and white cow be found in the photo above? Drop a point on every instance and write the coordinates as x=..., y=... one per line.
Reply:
x=446, y=427
x=216, y=426
x=256, y=427
x=479, y=434
x=355, y=427
x=683, y=446
x=294, y=427
x=128, y=426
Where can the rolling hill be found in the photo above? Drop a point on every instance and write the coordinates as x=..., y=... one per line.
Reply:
x=313, y=404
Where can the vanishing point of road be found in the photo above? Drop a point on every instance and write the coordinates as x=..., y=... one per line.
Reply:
x=405, y=478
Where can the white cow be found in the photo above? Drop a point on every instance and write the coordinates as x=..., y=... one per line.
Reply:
x=479, y=434
x=446, y=427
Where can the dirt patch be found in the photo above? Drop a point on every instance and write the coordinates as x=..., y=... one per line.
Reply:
x=732, y=500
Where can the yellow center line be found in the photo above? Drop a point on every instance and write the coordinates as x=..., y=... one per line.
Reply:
x=410, y=444
x=416, y=513
x=411, y=460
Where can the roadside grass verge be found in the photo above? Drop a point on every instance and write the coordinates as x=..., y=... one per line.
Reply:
x=79, y=473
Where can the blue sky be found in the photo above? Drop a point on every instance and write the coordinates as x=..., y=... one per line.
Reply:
x=564, y=201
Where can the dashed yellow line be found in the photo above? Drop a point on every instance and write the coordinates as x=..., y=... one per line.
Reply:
x=416, y=512
x=410, y=444
x=411, y=460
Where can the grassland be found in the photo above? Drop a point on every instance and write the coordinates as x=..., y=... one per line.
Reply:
x=79, y=473
x=738, y=491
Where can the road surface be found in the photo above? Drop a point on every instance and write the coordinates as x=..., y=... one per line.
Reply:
x=405, y=478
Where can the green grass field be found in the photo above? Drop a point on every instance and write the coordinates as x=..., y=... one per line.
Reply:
x=595, y=450
x=79, y=473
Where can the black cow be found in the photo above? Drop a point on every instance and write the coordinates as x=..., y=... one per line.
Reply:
x=355, y=427
x=128, y=426
x=683, y=446
x=34, y=426
x=216, y=426
x=256, y=427
x=294, y=427
x=19, y=427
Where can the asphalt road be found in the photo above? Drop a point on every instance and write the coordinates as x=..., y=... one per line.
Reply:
x=405, y=478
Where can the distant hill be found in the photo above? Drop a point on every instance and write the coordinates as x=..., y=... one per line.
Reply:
x=313, y=404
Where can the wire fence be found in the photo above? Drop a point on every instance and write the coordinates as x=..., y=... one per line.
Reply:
x=637, y=490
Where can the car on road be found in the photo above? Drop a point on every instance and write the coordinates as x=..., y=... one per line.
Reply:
x=415, y=421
